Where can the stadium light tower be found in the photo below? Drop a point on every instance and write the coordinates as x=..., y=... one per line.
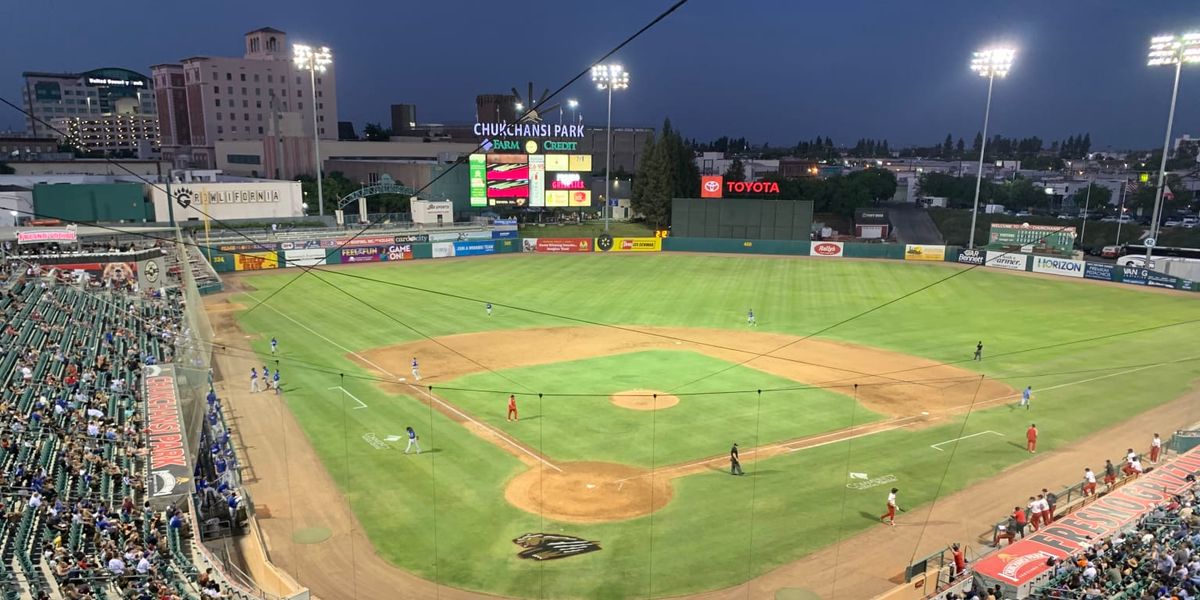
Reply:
x=1169, y=50
x=573, y=104
x=609, y=77
x=990, y=63
x=314, y=60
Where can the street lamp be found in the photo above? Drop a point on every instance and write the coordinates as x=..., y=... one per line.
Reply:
x=313, y=60
x=990, y=63
x=1168, y=50
x=609, y=77
x=573, y=104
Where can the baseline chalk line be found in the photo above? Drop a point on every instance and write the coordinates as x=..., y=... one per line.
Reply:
x=935, y=446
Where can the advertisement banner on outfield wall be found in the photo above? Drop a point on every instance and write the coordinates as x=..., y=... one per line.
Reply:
x=924, y=252
x=474, y=248
x=1101, y=271
x=827, y=249
x=971, y=257
x=410, y=238
x=529, y=244
x=1005, y=260
x=307, y=257
x=255, y=261
x=304, y=245
x=399, y=252
x=500, y=235
x=362, y=254
x=624, y=244
x=1058, y=266
x=555, y=245
x=442, y=249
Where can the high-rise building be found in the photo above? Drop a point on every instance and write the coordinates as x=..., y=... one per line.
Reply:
x=115, y=106
x=260, y=96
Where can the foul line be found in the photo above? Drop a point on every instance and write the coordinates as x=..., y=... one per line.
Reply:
x=935, y=446
x=432, y=398
x=361, y=404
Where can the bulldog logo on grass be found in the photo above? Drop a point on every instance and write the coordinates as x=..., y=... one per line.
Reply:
x=549, y=546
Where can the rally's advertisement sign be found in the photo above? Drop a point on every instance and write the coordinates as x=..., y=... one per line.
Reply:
x=827, y=249
x=557, y=245
x=971, y=257
x=474, y=248
x=1006, y=260
x=1024, y=561
x=1058, y=266
x=169, y=472
x=924, y=252
x=66, y=235
x=624, y=244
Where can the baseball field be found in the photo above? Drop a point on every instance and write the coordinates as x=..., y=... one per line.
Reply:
x=634, y=375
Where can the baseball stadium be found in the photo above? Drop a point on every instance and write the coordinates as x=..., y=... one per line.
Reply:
x=533, y=374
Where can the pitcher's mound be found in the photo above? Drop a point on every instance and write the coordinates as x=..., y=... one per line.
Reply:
x=589, y=492
x=644, y=400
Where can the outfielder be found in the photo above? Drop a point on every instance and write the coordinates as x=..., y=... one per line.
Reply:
x=488, y=306
x=274, y=345
x=750, y=318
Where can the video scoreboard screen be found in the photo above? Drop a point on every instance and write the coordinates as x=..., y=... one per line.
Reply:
x=537, y=180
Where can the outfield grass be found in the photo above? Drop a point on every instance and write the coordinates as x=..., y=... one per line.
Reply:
x=703, y=539
x=577, y=428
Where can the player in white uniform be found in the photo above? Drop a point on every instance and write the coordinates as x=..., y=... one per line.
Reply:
x=1089, y=482
x=416, y=371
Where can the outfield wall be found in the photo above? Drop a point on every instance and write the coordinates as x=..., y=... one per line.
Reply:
x=365, y=249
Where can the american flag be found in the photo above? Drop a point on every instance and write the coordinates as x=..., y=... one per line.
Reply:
x=1131, y=187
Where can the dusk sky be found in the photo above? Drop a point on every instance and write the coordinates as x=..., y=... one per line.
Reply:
x=770, y=70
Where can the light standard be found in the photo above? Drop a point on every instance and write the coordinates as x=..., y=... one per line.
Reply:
x=573, y=104
x=609, y=77
x=990, y=63
x=313, y=60
x=1168, y=50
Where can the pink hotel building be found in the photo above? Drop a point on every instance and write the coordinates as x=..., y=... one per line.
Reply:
x=261, y=96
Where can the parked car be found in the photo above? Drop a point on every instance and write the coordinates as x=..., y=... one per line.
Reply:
x=1190, y=222
x=1172, y=222
x=1110, y=251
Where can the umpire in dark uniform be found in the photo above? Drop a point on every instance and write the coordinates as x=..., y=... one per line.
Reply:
x=735, y=466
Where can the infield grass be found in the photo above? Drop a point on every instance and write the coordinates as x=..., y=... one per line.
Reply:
x=715, y=532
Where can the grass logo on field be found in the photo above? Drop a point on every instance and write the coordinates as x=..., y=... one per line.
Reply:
x=550, y=546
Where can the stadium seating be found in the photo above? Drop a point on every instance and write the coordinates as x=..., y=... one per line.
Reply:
x=74, y=522
x=1155, y=559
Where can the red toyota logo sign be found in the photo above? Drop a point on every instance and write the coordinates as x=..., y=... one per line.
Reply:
x=711, y=186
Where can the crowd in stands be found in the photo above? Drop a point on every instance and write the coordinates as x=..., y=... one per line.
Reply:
x=1157, y=559
x=75, y=521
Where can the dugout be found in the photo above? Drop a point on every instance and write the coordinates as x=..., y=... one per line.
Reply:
x=741, y=218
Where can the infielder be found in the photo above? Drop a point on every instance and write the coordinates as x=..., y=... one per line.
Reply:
x=416, y=370
x=1026, y=396
x=890, y=515
x=274, y=345
x=413, y=441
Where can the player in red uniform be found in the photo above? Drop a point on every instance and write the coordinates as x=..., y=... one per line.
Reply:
x=512, y=408
x=1031, y=438
x=890, y=515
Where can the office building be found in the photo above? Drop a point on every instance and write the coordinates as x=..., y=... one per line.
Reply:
x=260, y=96
x=94, y=95
x=111, y=135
